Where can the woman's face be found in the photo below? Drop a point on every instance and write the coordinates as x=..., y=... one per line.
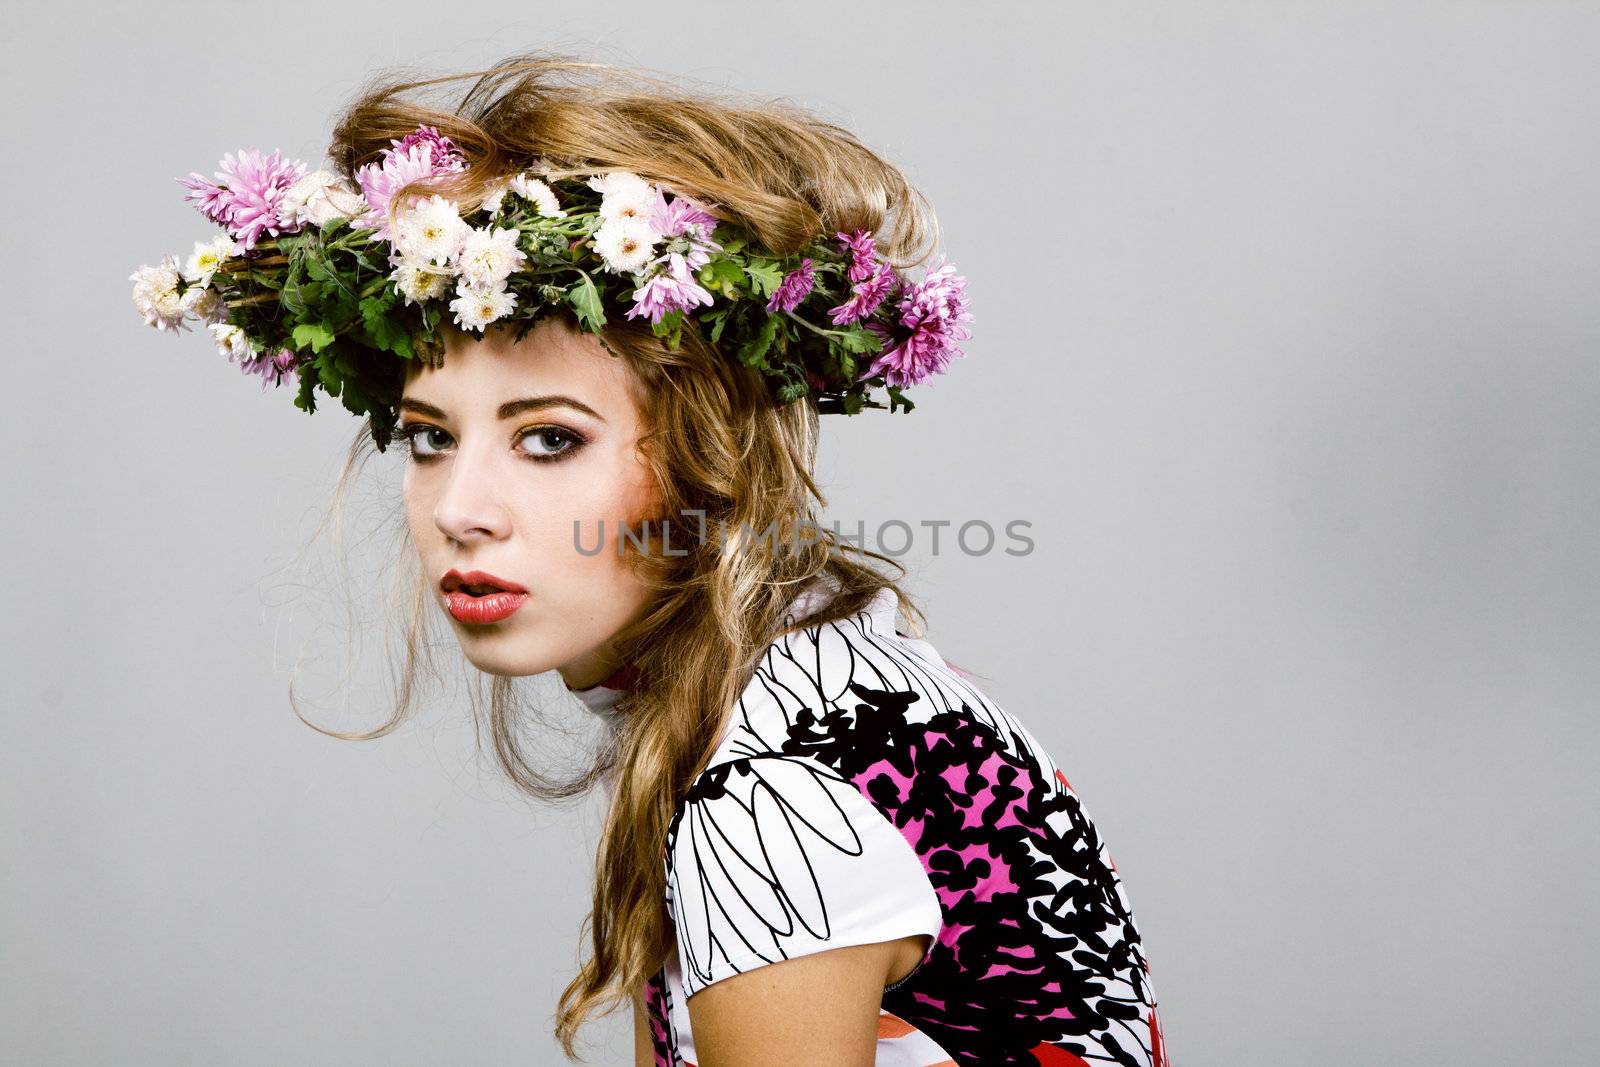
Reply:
x=510, y=445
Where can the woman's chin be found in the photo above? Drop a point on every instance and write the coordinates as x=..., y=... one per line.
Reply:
x=493, y=654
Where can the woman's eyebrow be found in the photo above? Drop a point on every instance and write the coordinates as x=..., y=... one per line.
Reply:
x=510, y=409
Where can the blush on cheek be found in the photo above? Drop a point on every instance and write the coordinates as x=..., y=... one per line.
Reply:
x=642, y=498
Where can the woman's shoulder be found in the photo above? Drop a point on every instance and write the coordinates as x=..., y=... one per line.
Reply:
x=855, y=689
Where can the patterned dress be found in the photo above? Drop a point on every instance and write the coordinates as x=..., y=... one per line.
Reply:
x=864, y=790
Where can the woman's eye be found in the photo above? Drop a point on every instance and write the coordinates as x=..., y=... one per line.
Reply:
x=551, y=442
x=412, y=433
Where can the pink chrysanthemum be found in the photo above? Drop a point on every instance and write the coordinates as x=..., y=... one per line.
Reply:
x=863, y=254
x=206, y=195
x=422, y=158
x=670, y=219
x=933, y=314
x=795, y=287
x=442, y=152
x=274, y=368
x=246, y=195
x=674, y=289
x=686, y=263
x=865, y=297
x=682, y=217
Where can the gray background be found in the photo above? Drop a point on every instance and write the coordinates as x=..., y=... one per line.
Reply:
x=1286, y=346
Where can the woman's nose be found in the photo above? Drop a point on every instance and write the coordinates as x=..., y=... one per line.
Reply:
x=471, y=506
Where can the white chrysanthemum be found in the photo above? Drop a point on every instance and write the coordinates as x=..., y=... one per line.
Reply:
x=320, y=197
x=488, y=256
x=205, y=304
x=232, y=342
x=418, y=283
x=494, y=199
x=626, y=244
x=476, y=308
x=155, y=294
x=623, y=195
x=207, y=257
x=431, y=232
x=543, y=197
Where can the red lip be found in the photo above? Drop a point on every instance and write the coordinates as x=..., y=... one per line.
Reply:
x=483, y=609
x=497, y=600
x=454, y=580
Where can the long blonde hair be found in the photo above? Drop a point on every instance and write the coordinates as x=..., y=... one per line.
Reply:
x=716, y=444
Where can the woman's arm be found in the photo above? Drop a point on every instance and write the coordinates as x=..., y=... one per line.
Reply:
x=644, y=1051
x=814, y=1009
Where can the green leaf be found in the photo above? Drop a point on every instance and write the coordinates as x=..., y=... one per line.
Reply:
x=585, y=299
x=765, y=275
x=314, y=334
x=291, y=296
x=387, y=335
x=381, y=424
x=753, y=353
x=846, y=362
x=670, y=327
x=345, y=307
x=718, y=320
x=356, y=400
x=291, y=299
x=858, y=339
x=306, y=399
x=723, y=276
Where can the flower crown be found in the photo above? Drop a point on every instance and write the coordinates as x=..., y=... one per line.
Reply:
x=320, y=284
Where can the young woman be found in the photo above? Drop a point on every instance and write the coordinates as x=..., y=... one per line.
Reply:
x=823, y=843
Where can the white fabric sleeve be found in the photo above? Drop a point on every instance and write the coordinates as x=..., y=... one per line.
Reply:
x=776, y=857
